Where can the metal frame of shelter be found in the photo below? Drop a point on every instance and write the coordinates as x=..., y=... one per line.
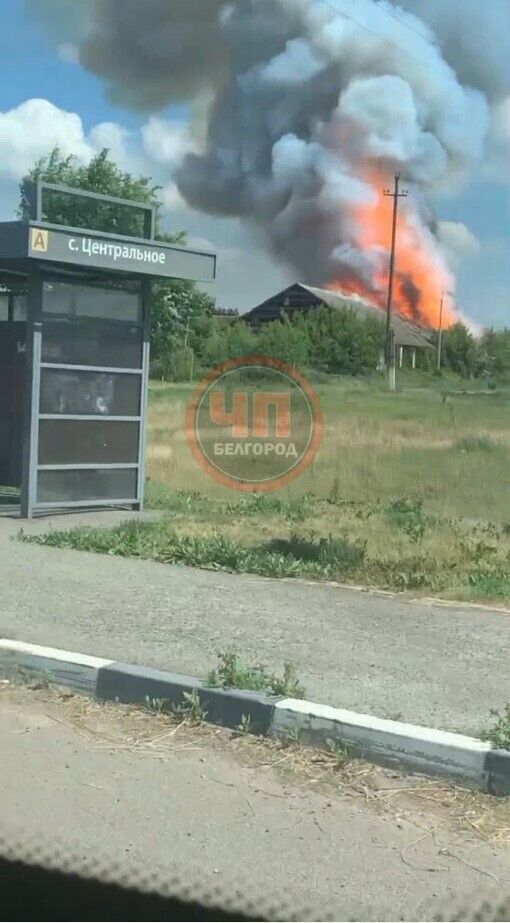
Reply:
x=102, y=274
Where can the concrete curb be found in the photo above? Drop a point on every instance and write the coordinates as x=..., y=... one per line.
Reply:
x=387, y=743
x=123, y=682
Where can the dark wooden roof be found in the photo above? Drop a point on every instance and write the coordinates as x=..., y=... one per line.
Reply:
x=299, y=298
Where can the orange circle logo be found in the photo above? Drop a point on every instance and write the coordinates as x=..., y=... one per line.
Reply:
x=254, y=424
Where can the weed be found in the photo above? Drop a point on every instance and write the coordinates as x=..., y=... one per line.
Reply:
x=288, y=685
x=409, y=516
x=158, y=706
x=340, y=750
x=245, y=727
x=334, y=496
x=481, y=443
x=297, y=509
x=36, y=679
x=232, y=673
x=490, y=586
x=350, y=541
x=295, y=734
x=42, y=681
x=331, y=554
x=499, y=734
x=479, y=552
x=404, y=506
x=192, y=709
x=256, y=504
x=412, y=580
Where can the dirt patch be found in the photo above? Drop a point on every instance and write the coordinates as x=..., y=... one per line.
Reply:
x=431, y=805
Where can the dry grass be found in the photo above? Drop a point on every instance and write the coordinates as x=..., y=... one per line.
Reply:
x=434, y=806
x=451, y=454
x=376, y=445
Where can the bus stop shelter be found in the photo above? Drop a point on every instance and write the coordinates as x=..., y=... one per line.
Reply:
x=74, y=355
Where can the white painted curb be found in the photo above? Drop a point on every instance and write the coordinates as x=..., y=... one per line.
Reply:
x=66, y=668
x=387, y=743
x=53, y=653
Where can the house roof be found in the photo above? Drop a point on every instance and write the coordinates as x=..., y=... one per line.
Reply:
x=406, y=333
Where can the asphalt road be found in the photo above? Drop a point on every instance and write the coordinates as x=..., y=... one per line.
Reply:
x=425, y=663
x=210, y=814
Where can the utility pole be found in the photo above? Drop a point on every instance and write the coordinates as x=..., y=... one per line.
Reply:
x=440, y=332
x=440, y=336
x=390, y=341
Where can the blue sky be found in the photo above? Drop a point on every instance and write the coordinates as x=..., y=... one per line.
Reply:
x=31, y=67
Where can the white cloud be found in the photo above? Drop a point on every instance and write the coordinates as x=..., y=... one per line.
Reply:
x=166, y=142
x=123, y=145
x=172, y=199
x=36, y=126
x=32, y=130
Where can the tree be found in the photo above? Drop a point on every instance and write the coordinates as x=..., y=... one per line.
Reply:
x=178, y=309
x=175, y=302
x=286, y=341
x=228, y=341
x=495, y=348
x=342, y=341
x=101, y=175
x=461, y=352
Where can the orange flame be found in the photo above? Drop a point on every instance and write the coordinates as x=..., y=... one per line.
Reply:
x=421, y=273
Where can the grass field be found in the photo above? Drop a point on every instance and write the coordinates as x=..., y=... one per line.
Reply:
x=409, y=492
x=452, y=453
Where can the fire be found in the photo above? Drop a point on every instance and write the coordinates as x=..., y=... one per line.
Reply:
x=421, y=273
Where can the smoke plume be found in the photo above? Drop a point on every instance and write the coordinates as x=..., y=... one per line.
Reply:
x=311, y=107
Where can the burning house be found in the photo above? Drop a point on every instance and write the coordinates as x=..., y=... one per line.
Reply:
x=300, y=299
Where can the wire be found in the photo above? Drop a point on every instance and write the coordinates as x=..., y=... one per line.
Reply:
x=388, y=41
x=396, y=17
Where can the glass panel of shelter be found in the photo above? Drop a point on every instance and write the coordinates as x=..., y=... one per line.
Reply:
x=91, y=374
x=13, y=315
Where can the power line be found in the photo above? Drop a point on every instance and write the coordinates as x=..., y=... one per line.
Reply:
x=401, y=22
x=379, y=35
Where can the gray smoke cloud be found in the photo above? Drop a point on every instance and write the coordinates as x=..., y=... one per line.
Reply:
x=474, y=38
x=306, y=103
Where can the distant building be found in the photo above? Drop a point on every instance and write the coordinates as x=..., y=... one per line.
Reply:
x=300, y=298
